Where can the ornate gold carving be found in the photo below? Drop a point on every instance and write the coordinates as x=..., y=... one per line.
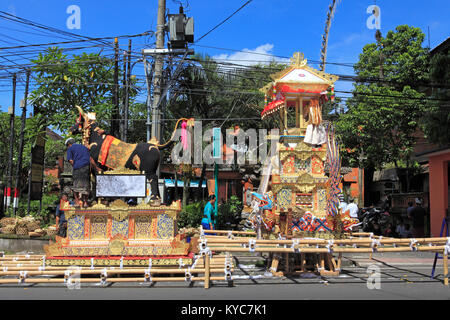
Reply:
x=116, y=262
x=176, y=205
x=303, y=147
x=119, y=204
x=119, y=214
x=276, y=179
x=305, y=188
x=298, y=60
x=321, y=154
x=53, y=250
x=122, y=170
x=99, y=206
x=119, y=210
x=98, y=227
x=306, y=179
x=298, y=155
x=144, y=206
x=116, y=247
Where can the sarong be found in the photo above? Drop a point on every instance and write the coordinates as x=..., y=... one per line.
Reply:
x=81, y=180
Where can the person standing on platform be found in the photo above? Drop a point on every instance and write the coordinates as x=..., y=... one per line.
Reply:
x=208, y=213
x=417, y=215
x=79, y=157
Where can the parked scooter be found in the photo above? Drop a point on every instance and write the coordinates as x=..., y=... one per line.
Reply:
x=373, y=219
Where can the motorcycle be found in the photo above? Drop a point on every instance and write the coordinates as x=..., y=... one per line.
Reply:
x=373, y=219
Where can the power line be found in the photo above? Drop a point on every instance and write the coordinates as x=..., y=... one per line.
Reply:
x=76, y=41
x=275, y=56
x=245, y=4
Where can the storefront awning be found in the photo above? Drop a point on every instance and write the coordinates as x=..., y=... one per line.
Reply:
x=170, y=183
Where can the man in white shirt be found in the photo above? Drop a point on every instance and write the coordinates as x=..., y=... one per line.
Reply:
x=342, y=204
x=353, y=208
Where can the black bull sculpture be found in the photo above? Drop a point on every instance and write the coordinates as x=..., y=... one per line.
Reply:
x=141, y=156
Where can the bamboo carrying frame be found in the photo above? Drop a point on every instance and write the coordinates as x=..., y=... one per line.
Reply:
x=31, y=268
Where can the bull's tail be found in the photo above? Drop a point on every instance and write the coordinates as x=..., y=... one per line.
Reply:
x=190, y=123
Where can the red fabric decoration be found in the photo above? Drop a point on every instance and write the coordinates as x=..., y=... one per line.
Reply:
x=105, y=149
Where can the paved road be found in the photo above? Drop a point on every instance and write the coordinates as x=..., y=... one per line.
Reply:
x=402, y=276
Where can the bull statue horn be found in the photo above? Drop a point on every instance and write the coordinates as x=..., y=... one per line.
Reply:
x=81, y=111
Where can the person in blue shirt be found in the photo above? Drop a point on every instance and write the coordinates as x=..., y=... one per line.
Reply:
x=208, y=213
x=79, y=157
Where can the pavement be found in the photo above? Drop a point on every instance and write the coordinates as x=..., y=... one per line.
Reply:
x=400, y=276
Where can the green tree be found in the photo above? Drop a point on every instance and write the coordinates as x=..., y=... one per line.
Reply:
x=53, y=148
x=61, y=84
x=436, y=122
x=387, y=101
x=207, y=90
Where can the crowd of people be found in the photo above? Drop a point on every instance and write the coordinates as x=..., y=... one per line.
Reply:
x=408, y=225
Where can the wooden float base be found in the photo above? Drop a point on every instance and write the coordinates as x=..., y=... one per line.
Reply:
x=325, y=264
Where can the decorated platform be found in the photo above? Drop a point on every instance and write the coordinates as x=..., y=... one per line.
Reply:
x=304, y=197
x=119, y=233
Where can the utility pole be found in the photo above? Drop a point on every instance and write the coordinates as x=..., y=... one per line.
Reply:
x=127, y=92
x=159, y=64
x=148, y=75
x=11, y=112
x=115, y=114
x=124, y=96
x=181, y=30
x=23, y=105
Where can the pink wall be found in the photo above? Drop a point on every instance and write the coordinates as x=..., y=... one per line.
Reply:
x=438, y=190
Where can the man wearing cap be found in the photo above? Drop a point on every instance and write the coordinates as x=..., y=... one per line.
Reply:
x=79, y=158
x=417, y=215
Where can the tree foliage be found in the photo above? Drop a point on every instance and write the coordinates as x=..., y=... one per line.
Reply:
x=436, y=122
x=86, y=80
x=209, y=91
x=53, y=148
x=388, y=100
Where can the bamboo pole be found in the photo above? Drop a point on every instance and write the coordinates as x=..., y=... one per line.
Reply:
x=339, y=261
x=219, y=268
x=326, y=250
x=303, y=262
x=207, y=271
x=230, y=231
x=323, y=241
x=6, y=257
x=110, y=280
x=445, y=256
x=112, y=272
